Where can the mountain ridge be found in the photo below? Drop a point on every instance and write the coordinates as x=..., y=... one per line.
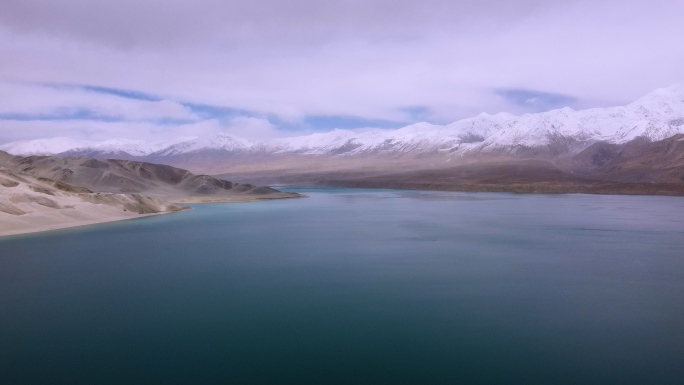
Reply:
x=560, y=132
x=40, y=193
x=133, y=177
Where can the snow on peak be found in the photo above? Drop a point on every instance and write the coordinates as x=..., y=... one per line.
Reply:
x=220, y=142
x=43, y=146
x=658, y=115
x=667, y=96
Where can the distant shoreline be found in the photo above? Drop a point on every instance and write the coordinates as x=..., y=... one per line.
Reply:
x=647, y=189
x=600, y=188
x=191, y=200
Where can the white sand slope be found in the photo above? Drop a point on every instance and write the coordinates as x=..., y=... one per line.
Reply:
x=46, y=193
x=30, y=205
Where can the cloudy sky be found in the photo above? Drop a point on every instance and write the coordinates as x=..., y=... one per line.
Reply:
x=158, y=69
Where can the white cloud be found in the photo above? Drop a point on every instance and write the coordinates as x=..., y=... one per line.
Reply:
x=369, y=58
x=163, y=109
x=16, y=130
x=251, y=128
x=31, y=99
x=93, y=130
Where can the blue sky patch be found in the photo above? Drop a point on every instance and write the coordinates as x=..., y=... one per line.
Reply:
x=128, y=94
x=206, y=111
x=61, y=114
x=536, y=101
x=418, y=113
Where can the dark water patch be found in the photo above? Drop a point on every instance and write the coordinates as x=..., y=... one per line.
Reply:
x=354, y=286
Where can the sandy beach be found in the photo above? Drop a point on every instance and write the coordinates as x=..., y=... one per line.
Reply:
x=19, y=229
x=42, y=218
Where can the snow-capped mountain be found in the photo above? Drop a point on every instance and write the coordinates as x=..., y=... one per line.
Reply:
x=656, y=116
x=44, y=146
x=220, y=142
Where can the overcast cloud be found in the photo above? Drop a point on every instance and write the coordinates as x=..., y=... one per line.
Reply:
x=158, y=69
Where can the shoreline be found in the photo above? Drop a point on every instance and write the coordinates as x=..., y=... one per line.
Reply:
x=644, y=189
x=70, y=225
x=603, y=188
x=188, y=200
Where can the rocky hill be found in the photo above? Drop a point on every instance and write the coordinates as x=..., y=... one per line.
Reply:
x=40, y=193
x=124, y=176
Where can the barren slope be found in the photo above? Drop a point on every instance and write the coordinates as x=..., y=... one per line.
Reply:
x=639, y=161
x=45, y=193
x=29, y=204
x=124, y=176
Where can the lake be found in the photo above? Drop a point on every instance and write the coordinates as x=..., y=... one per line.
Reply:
x=354, y=286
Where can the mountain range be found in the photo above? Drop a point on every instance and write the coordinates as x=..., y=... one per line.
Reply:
x=594, y=150
x=656, y=116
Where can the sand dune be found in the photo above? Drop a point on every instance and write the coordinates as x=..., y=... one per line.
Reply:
x=122, y=176
x=28, y=204
x=47, y=193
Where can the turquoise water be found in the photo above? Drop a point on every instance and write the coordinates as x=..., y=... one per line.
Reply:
x=355, y=287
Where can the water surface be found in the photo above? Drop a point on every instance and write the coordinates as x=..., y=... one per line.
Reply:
x=354, y=287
